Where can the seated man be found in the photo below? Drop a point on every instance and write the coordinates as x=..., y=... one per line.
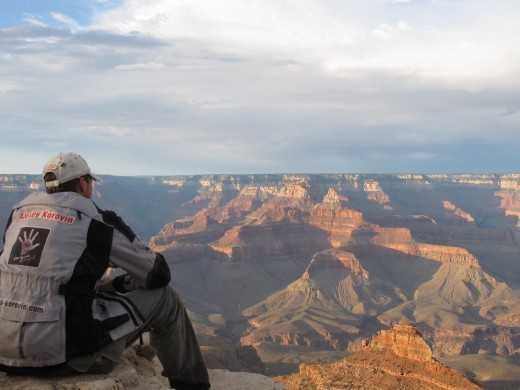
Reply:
x=53, y=315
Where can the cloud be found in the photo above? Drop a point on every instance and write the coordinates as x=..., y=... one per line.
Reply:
x=66, y=20
x=149, y=66
x=267, y=86
x=339, y=32
x=388, y=31
x=34, y=21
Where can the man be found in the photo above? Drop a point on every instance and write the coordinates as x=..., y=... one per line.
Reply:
x=54, y=314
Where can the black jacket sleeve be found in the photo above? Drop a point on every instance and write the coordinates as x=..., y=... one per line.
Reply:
x=145, y=268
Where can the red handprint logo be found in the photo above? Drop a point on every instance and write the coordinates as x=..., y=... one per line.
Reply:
x=28, y=247
x=27, y=241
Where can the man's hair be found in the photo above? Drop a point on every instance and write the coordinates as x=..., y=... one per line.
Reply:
x=69, y=186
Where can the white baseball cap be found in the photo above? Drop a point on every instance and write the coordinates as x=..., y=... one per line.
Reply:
x=66, y=167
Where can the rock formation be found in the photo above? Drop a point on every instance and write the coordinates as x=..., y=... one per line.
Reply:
x=332, y=197
x=339, y=222
x=403, y=340
x=400, y=239
x=452, y=208
x=376, y=194
x=510, y=202
x=324, y=308
x=511, y=182
x=395, y=359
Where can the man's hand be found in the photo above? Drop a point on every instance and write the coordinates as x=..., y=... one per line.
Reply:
x=124, y=283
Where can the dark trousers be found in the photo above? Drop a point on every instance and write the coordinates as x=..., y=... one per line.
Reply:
x=172, y=336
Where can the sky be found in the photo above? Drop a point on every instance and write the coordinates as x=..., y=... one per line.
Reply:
x=168, y=87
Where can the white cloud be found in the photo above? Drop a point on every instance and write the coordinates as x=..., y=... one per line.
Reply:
x=252, y=28
x=403, y=26
x=264, y=85
x=149, y=66
x=35, y=21
x=384, y=31
x=387, y=31
x=318, y=32
x=66, y=20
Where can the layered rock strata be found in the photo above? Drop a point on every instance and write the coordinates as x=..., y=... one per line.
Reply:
x=376, y=194
x=395, y=359
x=325, y=308
x=400, y=239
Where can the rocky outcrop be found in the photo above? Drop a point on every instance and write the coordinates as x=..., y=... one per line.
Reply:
x=400, y=239
x=277, y=211
x=136, y=372
x=403, y=340
x=457, y=212
x=510, y=203
x=238, y=207
x=339, y=222
x=293, y=191
x=395, y=359
x=202, y=227
x=333, y=198
x=510, y=183
x=376, y=194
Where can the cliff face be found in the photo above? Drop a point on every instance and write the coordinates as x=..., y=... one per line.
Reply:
x=376, y=194
x=400, y=239
x=338, y=221
x=394, y=359
x=510, y=201
x=404, y=341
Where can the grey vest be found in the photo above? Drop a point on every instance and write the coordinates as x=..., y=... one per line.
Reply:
x=46, y=246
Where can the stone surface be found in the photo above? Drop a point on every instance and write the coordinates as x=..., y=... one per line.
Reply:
x=137, y=373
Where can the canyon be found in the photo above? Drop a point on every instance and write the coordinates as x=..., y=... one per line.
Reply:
x=280, y=270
